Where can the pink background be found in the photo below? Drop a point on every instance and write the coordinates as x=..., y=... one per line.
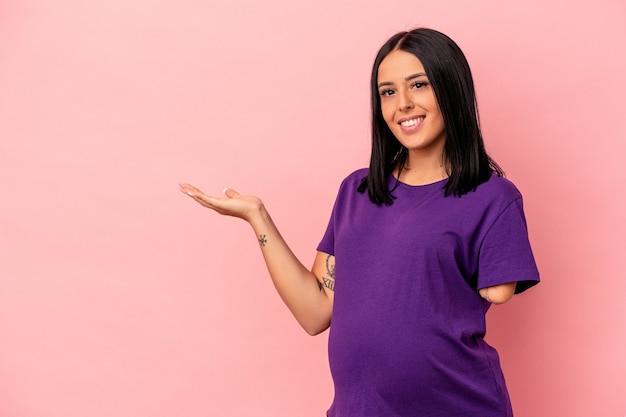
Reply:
x=121, y=297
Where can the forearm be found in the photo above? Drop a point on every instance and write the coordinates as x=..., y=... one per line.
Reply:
x=296, y=284
x=298, y=287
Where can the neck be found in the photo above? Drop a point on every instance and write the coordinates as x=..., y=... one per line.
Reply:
x=420, y=169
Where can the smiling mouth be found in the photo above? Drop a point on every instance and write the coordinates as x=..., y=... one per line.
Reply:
x=412, y=122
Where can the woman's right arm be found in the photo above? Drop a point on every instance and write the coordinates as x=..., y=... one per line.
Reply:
x=307, y=293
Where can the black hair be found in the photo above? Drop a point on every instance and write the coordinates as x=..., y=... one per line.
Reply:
x=448, y=72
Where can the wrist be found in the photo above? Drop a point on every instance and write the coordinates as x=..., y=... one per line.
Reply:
x=259, y=217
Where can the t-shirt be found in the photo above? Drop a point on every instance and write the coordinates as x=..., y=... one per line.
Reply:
x=408, y=323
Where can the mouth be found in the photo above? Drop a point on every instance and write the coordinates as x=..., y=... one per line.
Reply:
x=411, y=122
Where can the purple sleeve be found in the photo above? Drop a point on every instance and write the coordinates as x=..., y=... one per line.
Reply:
x=505, y=254
x=327, y=245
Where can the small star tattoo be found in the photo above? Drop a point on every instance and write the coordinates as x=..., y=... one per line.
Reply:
x=262, y=240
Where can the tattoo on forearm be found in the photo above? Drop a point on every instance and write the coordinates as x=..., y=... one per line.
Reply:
x=262, y=240
x=329, y=283
x=326, y=282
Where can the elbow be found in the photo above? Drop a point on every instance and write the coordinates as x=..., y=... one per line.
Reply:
x=314, y=321
x=313, y=329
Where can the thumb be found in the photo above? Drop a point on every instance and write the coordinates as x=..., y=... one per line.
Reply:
x=230, y=193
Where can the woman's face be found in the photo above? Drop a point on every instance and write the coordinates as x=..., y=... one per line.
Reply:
x=408, y=103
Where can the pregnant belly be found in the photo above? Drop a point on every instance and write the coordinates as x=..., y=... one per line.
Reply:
x=414, y=369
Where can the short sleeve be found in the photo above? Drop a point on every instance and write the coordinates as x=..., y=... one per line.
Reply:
x=327, y=244
x=505, y=254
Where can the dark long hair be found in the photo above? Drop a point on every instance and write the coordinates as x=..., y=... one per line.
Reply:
x=448, y=72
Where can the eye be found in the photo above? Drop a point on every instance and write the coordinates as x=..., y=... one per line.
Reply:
x=386, y=92
x=419, y=84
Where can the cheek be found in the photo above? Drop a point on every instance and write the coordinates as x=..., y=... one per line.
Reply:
x=387, y=113
x=440, y=122
x=437, y=117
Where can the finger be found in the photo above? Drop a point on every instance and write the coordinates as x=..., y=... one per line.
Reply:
x=189, y=189
x=210, y=202
x=197, y=195
x=230, y=193
x=192, y=191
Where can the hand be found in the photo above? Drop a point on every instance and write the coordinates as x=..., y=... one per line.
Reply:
x=236, y=205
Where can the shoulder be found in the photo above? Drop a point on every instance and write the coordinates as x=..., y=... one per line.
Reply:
x=357, y=176
x=498, y=188
x=348, y=190
x=354, y=179
x=494, y=196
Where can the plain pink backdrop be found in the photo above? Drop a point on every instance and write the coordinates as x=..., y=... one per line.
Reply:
x=121, y=297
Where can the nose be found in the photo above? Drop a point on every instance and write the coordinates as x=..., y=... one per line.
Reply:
x=405, y=103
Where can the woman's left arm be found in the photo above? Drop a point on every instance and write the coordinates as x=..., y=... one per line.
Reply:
x=498, y=294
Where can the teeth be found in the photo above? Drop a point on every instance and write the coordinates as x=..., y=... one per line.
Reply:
x=411, y=122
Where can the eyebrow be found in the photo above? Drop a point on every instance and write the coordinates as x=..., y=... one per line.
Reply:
x=409, y=78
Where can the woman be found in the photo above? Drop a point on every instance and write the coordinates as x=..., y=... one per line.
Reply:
x=420, y=244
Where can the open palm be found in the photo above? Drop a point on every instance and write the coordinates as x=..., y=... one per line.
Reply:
x=234, y=204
